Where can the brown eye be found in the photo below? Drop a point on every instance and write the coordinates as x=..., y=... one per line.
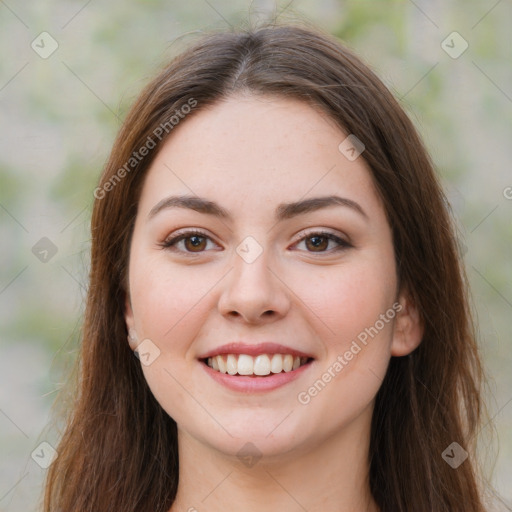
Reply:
x=318, y=242
x=188, y=242
x=196, y=243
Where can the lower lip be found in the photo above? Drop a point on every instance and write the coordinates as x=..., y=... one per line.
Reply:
x=247, y=384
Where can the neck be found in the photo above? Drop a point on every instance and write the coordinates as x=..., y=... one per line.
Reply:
x=331, y=476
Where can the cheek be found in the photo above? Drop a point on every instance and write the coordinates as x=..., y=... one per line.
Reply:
x=349, y=299
x=167, y=302
x=165, y=297
x=356, y=319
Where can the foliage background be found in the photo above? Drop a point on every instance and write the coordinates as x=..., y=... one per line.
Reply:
x=59, y=117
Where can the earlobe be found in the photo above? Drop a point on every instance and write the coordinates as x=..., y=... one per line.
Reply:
x=130, y=324
x=409, y=328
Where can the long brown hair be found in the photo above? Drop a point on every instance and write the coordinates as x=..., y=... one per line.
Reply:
x=119, y=448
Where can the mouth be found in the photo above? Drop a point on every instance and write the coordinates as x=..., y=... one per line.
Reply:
x=262, y=365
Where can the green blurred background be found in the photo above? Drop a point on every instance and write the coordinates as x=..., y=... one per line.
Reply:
x=60, y=113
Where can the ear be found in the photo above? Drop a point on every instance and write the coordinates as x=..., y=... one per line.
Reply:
x=409, y=328
x=130, y=323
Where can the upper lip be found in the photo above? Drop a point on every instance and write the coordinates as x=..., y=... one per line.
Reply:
x=253, y=349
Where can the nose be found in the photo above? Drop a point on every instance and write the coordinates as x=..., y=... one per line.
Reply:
x=254, y=292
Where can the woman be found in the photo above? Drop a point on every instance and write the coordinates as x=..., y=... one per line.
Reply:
x=270, y=239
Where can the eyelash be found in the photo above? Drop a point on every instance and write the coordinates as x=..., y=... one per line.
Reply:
x=170, y=243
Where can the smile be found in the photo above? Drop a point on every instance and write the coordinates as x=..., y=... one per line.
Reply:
x=260, y=365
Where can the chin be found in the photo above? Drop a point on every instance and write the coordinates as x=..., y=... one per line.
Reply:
x=254, y=436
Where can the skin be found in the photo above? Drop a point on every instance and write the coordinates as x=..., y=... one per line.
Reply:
x=249, y=154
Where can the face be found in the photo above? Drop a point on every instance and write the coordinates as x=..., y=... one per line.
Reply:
x=255, y=267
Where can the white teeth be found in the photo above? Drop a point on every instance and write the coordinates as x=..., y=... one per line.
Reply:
x=287, y=363
x=232, y=364
x=263, y=364
x=276, y=365
x=245, y=365
x=221, y=363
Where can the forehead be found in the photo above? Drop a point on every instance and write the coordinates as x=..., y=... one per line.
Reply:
x=247, y=151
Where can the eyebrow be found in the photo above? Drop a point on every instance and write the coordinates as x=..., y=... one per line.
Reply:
x=283, y=211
